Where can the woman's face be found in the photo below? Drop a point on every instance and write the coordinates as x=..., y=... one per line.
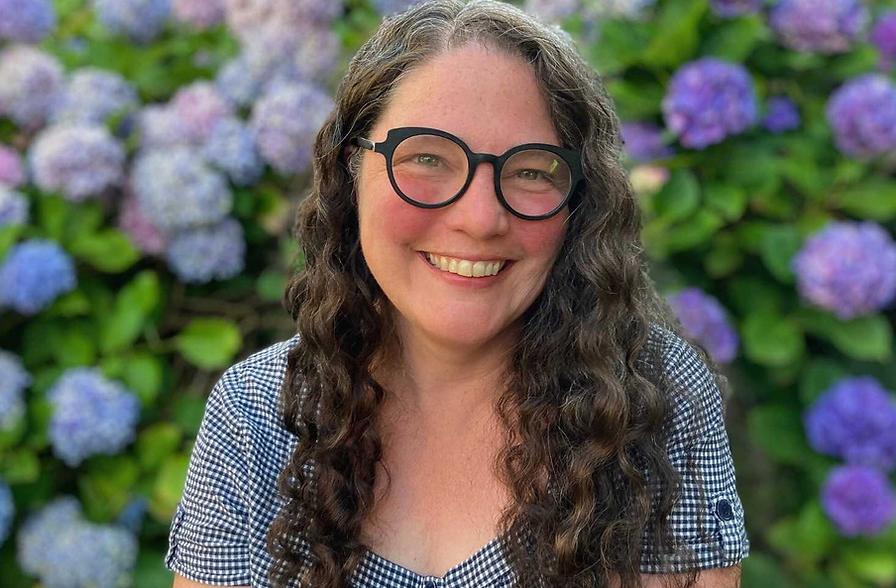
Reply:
x=491, y=101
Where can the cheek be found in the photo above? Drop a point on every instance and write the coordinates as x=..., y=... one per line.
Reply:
x=387, y=221
x=543, y=239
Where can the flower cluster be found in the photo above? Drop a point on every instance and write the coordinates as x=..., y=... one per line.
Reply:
x=644, y=141
x=64, y=550
x=883, y=37
x=78, y=160
x=13, y=381
x=859, y=500
x=821, y=26
x=13, y=207
x=244, y=16
x=781, y=115
x=231, y=148
x=548, y=10
x=848, y=268
x=30, y=84
x=12, y=170
x=208, y=252
x=854, y=420
x=704, y=319
x=91, y=415
x=198, y=107
x=708, y=100
x=862, y=113
x=7, y=511
x=92, y=95
x=26, y=21
x=733, y=8
x=145, y=235
x=140, y=20
x=34, y=273
x=200, y=14
x=387, y=7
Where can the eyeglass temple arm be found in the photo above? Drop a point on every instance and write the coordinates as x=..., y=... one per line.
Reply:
x=364, y=143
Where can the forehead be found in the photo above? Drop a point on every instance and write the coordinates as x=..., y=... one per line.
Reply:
x=485, y=96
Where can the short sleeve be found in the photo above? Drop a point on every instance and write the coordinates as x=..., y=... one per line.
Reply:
x=208, y=539
x=699, y=449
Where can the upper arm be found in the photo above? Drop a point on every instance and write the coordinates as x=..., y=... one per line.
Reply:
x=181, y=582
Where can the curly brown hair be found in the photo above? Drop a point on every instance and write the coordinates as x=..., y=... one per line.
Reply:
x=586, y=404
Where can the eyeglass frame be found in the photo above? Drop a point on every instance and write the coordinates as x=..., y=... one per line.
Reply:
x=396, y=135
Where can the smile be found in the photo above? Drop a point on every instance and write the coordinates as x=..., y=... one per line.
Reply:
x=465, y=267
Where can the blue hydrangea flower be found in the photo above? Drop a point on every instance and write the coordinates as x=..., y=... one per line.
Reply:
x=91, y=415
x=200, y=106
x=13, y=381
x=855, y=420
x=883, y=37
x=862, y=113
x=708, y=100
x=77, y=160
x=177, y=189
x=160, y=127
x=317, y=52
x=64, y=550
x=631, y=9
x=848, y=268
x=859, y=500
x=30, y=84
x=132, y=515
x=34, y=273
x=734, y=8
x=781, y=115
x=246, y=16
x=644, y=141
x=140, y=20
x=93, y=95
x=7, y=511
x=13, y=207
x=200, y=14
x=705, y=320
x=237, y=82
x=285, y=122
x=202, y=254
x=12, y=170
x=26, y=21
x=231, y=148
x=555, y=11
x=821, y=26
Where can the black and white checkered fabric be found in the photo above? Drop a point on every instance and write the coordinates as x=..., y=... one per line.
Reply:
x=218, y=532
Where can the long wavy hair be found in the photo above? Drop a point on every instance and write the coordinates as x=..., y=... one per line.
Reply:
x=586, y=403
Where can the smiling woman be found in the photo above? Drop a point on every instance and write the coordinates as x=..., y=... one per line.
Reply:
x=484, y=388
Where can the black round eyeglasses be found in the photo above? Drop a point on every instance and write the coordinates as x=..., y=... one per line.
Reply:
x=430, y=168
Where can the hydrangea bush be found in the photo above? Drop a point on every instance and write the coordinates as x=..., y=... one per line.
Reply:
x=152, y=153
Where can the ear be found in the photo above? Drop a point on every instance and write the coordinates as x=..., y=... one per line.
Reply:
x=348, y=151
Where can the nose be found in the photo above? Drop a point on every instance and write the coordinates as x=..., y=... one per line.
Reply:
x=478, y=212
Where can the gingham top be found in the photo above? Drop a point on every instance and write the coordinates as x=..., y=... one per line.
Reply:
x=218, y=532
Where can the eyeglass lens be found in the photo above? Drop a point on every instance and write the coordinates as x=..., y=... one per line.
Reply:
x=431, y=170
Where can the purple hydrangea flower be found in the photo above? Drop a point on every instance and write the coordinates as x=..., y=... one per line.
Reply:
x=161, y=127
x=855, y=420
x=859, y=500
x=848, y=268
x=596, y=11
x=12, y=170
x=35, y=273
x=237, y=82
x=734, y=8
x=708, y=100
x=245, y=16
x=93, y=95
x=862, y=113
x=30, y=84
x=317, y=52
x=177, y=189
x=13, y=207
x=704, y=319
x=64, y=550
x=199, y=106
x=231, y=149
x=781, y=115
x=78, y=160
x=91, y=415
x=132, y=515
x=136, y=225
x=285, y=121
x=140, y=20
x=883, y=37
x=822, y=26
x=7, y=511
x=549, y=10
x=201, y=14
x=26, y=21
x=644, y=141
x=13, y=381
x=202, y=254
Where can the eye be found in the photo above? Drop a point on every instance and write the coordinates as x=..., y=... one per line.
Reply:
x=426, y=159
x=529, y=174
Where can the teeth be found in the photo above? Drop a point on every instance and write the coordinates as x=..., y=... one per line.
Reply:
x=465, y=267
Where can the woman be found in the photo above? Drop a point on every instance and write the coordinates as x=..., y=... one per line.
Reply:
x=485, y=389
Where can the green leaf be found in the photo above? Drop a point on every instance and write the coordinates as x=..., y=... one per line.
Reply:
x=9, y=235
x=156, y=443
x=816, y=535
x=74, y=303
x=778, y=431
x=819, y=375
x=106, y=484
x=109, y=250
x=271, y=285
x=676, y=37
x=868, y=338
x=679, y=197
x=875, y=198
x=694, y=231
x=123, y=324
x=733, y=40
x=750, y=166
x=636, y=100
x=187, y=411
x=772, y=340
x=729, y=201
x=150, y=570
x=209, y=343
x=51, y=216
x=621, y=43
x=761, y=569
x=724, y=258
x=74, y=345
x=872, y=565
x=778, y=246
x=19, y=466
x=750, y=294
x=141, y=372
x=170, y=481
